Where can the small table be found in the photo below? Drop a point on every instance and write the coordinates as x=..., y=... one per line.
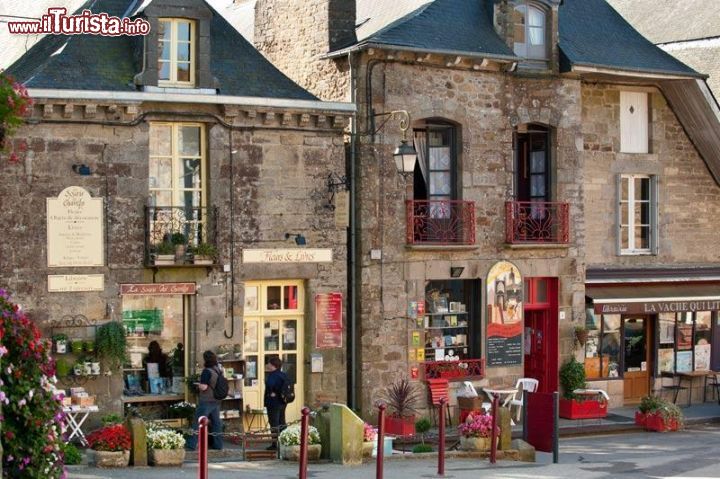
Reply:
x=507, y=393
x=689, y=376
x=76, y=416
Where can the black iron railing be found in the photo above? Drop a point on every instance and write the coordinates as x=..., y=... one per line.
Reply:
x=190, y=228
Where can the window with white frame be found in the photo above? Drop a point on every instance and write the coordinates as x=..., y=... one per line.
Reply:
x=530, y=31
x=176, y=58
x=634, y=121
x=637, y=214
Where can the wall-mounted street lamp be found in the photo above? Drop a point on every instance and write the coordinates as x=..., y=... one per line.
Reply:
x=299, y=238
x=405, y=155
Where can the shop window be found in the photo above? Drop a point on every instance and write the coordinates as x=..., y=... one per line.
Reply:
x=602, y=347
x=530, y=38
x=684, y=342
x=634, y=121
x=176, y=57
x=637, y=214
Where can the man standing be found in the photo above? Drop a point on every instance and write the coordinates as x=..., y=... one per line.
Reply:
x=274, y=401
x=208, y=406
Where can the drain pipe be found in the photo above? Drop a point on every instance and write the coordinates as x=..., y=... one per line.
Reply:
x=352, y=262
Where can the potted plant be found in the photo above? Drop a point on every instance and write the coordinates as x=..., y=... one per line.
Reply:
x=164, y=254
x=401, y=399
x=79, y=369
x=475, y=432
x=111, y=445
x=573, y=405
x=60, y=343
x=204, y=253
x=657, y=414
x=183, y=410
x=110, y=343
x=422, y=426
x=289, y=441
x=165, y=447
x=581, y=334
x=369, y=437
x=179, y=241
x=89, y=346
x=62, y=368
x=648, y=404
x=77, y=346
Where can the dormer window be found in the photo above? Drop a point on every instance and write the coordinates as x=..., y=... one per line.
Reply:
x=530, y=33
x=176, y=57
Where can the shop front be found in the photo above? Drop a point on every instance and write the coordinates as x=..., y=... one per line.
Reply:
x=644, y=337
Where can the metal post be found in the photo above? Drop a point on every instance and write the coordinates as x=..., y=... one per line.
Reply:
x=381, y=441
x=526, y=400
x=493, y=432
x=203, y=448
x=556, y=428
x=304, y=442
x=441, y=438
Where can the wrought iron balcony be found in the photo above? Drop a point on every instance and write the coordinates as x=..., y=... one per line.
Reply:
x=440, y=222
x=532, y=222
x=178, y=230
x=461, y=370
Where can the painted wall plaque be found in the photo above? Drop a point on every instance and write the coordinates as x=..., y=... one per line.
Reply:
x=75, y=231
x=505, y=315
x=74, y=283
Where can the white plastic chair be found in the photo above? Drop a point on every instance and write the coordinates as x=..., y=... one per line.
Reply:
x=523, y=384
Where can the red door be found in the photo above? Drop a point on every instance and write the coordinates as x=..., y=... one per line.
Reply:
x=541, y=333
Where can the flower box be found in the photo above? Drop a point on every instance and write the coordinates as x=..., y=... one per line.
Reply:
x=367, y=448
x=165, y=260
x=587, y=409
x=166, y=457
x=476, y=443
x=640, y=419
x=655, y=422
x=400, y=426
x=203, y=260
x=292, y=453
x=112, y=458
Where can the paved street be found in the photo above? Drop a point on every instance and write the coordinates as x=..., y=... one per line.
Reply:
x=689, y=454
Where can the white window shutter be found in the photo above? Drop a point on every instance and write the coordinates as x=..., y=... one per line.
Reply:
x=654, y=217
x=618, y=215
x=634, y=122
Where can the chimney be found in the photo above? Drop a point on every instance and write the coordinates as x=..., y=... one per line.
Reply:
x=341, y=23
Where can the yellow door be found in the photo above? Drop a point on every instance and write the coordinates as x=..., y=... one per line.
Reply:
x=273, y=326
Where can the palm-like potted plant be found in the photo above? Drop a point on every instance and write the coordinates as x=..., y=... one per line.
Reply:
x=165, y=447
x=573, y=405
x=289, y=441
x=111, y=445
x=204, y=253
x=164, y=254
x=402, y=399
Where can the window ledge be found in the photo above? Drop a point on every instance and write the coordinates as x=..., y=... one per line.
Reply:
x=636, y=253
x=537, y=245
x=180, y=90
x=441, y=247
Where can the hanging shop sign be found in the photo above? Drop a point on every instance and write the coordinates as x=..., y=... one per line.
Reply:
x=75, y=229
x=75, y=283
x=283, y=256
x=505, y=315
x=328, y=321
x=150, y=289
x=631, y=306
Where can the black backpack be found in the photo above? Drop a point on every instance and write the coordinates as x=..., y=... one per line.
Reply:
x=221, y=388
x=287, y=392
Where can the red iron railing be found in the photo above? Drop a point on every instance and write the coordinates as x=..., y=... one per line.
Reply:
x=537, y=222
x=455, y=370
x=440, y=222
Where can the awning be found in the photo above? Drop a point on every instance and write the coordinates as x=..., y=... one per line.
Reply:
x=654, y=298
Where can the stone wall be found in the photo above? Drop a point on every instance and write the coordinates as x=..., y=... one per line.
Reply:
x=278, y=174
x=689, y=199
x=295, y=35
x=485, y=106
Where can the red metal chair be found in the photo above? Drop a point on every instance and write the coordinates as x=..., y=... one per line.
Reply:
x=439, y=388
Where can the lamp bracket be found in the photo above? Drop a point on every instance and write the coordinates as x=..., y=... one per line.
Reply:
x=334, y=184
x=402, y=116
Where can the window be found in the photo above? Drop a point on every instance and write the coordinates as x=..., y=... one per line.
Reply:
x=532, y=163
x=451, y=321
x=529, y=26
x=176, y=59
x=633, y=122
x=602, y=347
x=435, y=173
x=637, y=214
x=684, y=342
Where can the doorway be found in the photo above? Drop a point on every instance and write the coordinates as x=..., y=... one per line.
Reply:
x=532, y=176
x=636, y=367
x=541, y=332
x=273, y=325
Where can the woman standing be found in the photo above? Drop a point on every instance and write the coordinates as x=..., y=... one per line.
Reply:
x=274, y=402
x=208, y=406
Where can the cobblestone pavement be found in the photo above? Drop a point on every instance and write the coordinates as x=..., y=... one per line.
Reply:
x=692, y=453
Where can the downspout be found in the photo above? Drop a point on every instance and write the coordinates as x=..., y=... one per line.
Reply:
x=352, y=266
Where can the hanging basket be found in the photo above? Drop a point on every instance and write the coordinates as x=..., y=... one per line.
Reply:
x=581, y=336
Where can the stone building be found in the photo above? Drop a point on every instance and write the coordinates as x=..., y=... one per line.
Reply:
x=566, y=177
x=194, y=145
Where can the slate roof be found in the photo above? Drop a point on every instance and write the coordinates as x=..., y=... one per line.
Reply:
x=93, y=62
x=593, y=34
x=374, y=15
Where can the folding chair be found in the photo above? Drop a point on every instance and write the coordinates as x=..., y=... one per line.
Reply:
x=674, y=386
x=439, y=388
x=523, y=384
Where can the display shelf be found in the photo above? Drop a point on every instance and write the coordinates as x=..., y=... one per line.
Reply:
x=153, y=398
x=449, y=313
x=462, y=326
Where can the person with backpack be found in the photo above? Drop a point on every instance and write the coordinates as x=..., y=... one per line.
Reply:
x=213, y=389
x=278, y=393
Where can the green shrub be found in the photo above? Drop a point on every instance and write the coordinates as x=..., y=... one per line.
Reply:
x=418, y=448
x=110, y=419
x=572, y=377
x=165, y=248
x=110, y=344
x=72, y=454
x=422, y=425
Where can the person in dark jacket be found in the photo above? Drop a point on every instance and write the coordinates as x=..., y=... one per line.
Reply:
x=208, y=406
x=273, y=399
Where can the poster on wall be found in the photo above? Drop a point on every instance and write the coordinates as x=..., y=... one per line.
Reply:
x=75, y=233
x=505, y=315
x=328, y=320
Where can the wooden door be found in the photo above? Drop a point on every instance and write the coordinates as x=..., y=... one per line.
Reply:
x=636, y=367
x=541, y=332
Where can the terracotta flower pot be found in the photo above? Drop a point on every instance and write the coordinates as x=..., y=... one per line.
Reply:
x=112, y=458
x=367, y=448
x=292, y=453
x=475, y=443
x=166, y=457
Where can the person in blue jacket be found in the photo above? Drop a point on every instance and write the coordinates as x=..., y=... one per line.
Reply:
x=274, y=383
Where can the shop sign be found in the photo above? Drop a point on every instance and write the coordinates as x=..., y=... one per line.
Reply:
x=150, y=289
x=75, y=283
x=505, y=315
x=328, y=321
x=283, y=256
x=653, y=307
x=75, y=229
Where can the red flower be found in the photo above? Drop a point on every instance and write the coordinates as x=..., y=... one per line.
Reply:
x=110, y=438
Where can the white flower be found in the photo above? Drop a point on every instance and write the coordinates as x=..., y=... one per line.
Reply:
x=291, y=436
x=164, y=439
